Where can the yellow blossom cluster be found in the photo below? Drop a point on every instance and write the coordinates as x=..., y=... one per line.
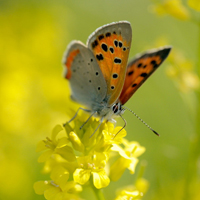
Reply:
x=182, y=72
x=176, y=8
x=74, y=159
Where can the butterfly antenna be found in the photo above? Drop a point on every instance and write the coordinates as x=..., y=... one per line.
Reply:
x=141, y=120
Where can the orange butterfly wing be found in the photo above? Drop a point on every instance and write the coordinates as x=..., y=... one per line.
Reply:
x=139, y=70
x=110, y=45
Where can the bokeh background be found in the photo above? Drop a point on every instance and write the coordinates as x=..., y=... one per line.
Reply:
x=34, y=97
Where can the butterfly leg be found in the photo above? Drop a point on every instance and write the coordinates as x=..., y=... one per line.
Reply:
x=87, y=119
x=77, y=113
x=101, y=120
x=125, y=123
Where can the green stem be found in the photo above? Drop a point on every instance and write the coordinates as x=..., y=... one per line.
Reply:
x=98, y=192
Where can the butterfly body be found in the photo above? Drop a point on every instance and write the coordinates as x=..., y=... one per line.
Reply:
x=99, y=76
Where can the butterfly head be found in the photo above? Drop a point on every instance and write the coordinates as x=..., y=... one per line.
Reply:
x=117, y=108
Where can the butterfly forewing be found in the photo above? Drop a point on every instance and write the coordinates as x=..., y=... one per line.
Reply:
x=139, y=70
x=88, y=86
x=110, y=45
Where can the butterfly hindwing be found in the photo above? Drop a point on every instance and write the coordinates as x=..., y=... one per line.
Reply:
x=139, y=70
x=110, y=45
x=87, y=83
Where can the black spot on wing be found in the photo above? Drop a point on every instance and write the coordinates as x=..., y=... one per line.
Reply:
x=143, y=75
x=117, y=61
x=101, y=37
x=116, y=43
x=130, y=73
x=155, y=65
x=135, y=84
x=111, y=49
x=104, y=47
x=108, y=34
x=120, y=44
x=115, y=75
x=99, y=57
x=94, y=44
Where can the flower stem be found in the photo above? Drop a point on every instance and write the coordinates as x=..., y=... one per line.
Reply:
x=98, y=192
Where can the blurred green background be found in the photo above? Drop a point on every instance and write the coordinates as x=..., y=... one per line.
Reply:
x=35, y=97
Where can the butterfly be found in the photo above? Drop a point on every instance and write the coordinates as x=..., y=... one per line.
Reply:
x=98, y=73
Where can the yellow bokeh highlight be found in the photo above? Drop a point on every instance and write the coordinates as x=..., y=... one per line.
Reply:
x=32, y=99
x=195, y=4
x=174, y=8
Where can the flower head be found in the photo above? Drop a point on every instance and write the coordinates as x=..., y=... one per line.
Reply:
x=77, y=156
x=182, y=72
x=174, y=8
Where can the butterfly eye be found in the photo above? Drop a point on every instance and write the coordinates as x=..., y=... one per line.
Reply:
x=117, y=108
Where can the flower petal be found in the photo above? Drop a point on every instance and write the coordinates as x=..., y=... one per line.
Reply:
x=41, y=186
x=41, y=146
x=45, y=156
x=67, y=153
x=121, y=151
x=118, y=168
x=55, y=132
x=81, y=176
x=76, y=142
x=62, y=142
x=132, y=166
x=100, y=179
x=51, y=193
x=60, y=176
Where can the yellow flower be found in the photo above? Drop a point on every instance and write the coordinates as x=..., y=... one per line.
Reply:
x=195, y=4
x=81, y=156
x=55, y=145
x=174, y=8
x=128, y=194
x=134, y=191
x=52, y=191
x=181, y=71
x=142, y=185
x=92, y=165
x=128, y=158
